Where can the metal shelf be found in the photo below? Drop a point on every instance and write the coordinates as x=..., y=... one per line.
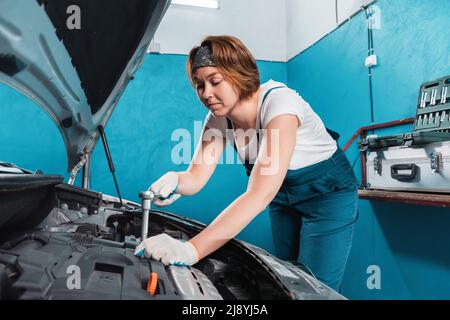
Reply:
x=418, y=198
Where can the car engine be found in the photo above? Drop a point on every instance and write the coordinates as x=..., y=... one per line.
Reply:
x=59, y=241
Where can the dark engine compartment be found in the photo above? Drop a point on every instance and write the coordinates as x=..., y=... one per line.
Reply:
x=62, y=227
x=41, y=266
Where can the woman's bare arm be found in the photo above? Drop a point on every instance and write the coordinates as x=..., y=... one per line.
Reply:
x=207, y=155
x=267, y=176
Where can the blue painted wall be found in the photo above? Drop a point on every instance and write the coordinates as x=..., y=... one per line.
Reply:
x=157, y=102
x=410, y=244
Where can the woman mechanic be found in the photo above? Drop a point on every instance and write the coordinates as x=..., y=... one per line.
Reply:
x=293, y=162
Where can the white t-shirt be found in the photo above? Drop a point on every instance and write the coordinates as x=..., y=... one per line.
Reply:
x=313, y=143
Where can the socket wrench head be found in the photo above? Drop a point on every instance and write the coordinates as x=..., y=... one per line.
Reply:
x=146, y=195
x=147, y=198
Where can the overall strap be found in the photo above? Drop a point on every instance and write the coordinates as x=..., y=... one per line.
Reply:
x=269, y=91
x=230, y=126
x=247, y=164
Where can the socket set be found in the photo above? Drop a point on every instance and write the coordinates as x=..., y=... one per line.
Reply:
x=433, y=106
x=432, y=122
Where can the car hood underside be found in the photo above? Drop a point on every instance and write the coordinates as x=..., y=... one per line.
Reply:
x=74, y=58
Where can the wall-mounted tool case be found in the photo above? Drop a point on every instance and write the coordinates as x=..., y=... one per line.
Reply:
x=419, y=160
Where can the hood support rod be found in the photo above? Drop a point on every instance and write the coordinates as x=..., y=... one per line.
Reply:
x=87, y=171
x=110, y=161
x=74, y=172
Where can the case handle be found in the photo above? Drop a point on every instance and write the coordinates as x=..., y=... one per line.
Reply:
x=404, y=177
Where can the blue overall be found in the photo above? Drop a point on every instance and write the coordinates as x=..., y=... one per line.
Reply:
x=313, y=215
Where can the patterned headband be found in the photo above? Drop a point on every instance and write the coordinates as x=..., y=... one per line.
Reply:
x=203, y=58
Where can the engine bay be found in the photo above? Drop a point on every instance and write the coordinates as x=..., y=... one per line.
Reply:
x=86, y=230
x=59, y=241
x=40, y=265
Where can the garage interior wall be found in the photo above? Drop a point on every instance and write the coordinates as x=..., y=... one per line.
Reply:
x=408, y=243
x=309, y=21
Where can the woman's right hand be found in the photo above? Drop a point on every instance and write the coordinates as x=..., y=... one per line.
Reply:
x=165, y=189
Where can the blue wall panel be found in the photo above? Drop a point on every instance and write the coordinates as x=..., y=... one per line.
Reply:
x=408, y=243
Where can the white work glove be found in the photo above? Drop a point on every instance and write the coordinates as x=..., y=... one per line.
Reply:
x=169, y=250
x=164, y=188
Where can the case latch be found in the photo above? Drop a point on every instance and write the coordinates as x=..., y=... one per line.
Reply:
x=364, y=145
x=407, y=140
x=435, y=161
x=377, y=165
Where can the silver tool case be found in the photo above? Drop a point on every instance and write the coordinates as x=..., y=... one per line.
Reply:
x=419, y=160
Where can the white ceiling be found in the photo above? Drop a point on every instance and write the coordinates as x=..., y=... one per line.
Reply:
x=260, y=24
x=274, y=30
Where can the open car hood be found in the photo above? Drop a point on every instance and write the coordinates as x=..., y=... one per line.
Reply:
x=75, y=75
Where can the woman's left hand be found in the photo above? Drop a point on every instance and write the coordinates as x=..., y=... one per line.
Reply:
x=169, y=250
